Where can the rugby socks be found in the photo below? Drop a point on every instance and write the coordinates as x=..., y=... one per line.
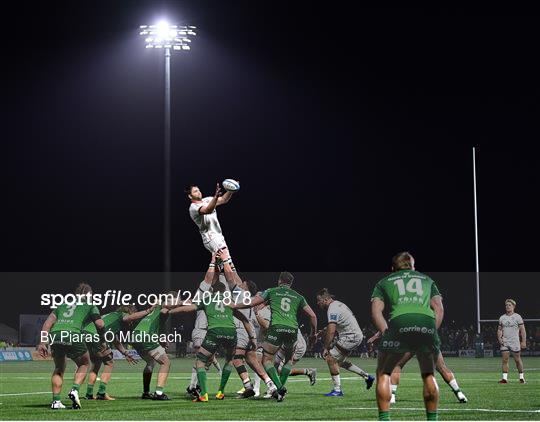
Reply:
x=256, y=382
x=454, y=385
x=90, y=390
x=384, y=416
x=432, y=416
x=353, y=368
x=159, y=390
x=201, y=377
x=193, y=382
x=272, y=373
x=336, y=379
x=521, y=376
x=76, y=387
x=102, y=387
x=56, y=397
x=394, y=388
x=225, y=374
x=505, y=376
x=285, y=371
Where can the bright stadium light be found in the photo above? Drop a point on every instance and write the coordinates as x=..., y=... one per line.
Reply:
x=167, y=37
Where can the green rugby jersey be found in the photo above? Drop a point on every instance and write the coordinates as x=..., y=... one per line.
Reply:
x=73, y=318
x=406, y=292
x=153, y=323
x=284, y=303
x=113, y=323
x=217, y=314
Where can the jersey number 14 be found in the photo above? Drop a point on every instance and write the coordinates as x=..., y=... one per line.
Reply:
x=414, y=285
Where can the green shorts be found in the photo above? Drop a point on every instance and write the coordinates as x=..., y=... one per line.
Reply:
x=215, y=337
x=411, y=333
x=282, y=336
x=72, y=350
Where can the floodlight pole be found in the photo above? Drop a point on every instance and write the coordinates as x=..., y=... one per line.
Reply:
x=167, y=158
x=476, y=245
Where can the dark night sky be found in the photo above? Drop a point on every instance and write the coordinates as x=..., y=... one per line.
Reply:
x=350, y=130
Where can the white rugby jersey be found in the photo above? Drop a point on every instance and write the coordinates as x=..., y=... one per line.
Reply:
x=207, y=223
x=265, y=314
x=346, y=323
x=510, y=326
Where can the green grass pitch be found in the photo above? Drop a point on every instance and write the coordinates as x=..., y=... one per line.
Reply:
x=25, y=386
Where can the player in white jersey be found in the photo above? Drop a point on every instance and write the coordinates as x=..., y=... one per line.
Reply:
x=510, y=328
x=203, y=213
x=341, y=321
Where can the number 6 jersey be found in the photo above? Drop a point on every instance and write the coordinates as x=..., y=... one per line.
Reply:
x=284, y=303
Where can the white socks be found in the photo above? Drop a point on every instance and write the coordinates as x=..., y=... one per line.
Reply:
x=521, y=377
x=394, y=388
x=505, y=375
x=454, y=385
x=336, y=379
x=193, y=382
x=353, y=368
x=256, y=382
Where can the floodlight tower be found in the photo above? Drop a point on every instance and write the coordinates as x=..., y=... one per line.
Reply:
x=167, y=37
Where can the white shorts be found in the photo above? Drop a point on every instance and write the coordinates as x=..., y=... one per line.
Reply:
x=151, y=356
x=511, y=346
x=345, y=345
x=197, y=336
x=242, y=339
x=299, y=351
x=215, y=242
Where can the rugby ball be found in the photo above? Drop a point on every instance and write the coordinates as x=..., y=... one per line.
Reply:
x=231, y=185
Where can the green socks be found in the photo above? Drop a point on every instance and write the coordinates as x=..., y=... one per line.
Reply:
x=76, y=387
x=225, y=374
x=272, y=373
x=432, y=416
x=90, y=390
x=102, y=387
x=285, y=371
x=56, y=397
x=201, y=378
x=384, y=416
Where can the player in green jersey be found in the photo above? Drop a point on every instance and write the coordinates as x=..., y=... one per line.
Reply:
x=123, y=317
x=284, y=303
x=153, y=352
x=415, y=314
x=63, y=329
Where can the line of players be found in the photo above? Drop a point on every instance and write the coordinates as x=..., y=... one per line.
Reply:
x=271, y=359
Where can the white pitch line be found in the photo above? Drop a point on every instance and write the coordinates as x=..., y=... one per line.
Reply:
x=25, y=394
x=468, y=409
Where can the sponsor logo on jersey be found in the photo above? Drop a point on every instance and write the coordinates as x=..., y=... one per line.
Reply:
x=417, y=329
